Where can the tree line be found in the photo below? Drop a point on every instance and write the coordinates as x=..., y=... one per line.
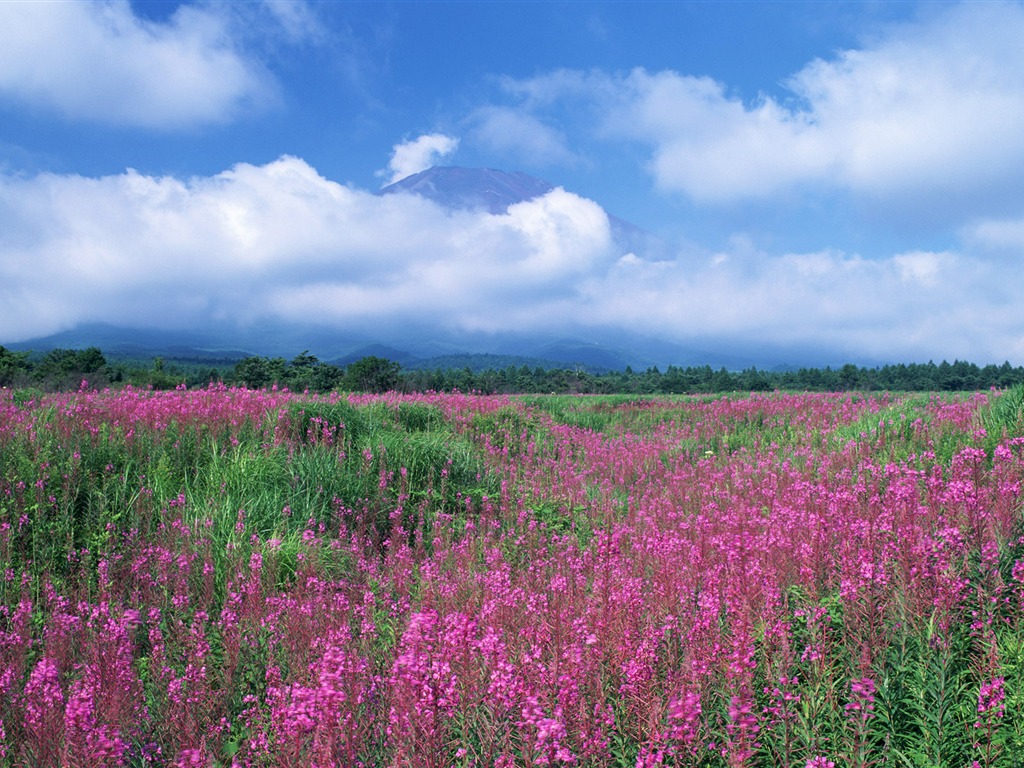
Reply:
x=925, y=377
x=67, y=368
x=63, y=369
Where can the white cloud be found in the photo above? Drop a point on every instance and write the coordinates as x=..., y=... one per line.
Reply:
x=98, y=61
x=274, y=241
x=417, y=155
x=564, y=232
x=713, y=147
x=922, y=268
x=911, y=306
x=929, y=111
x=936, y=103
x=279, y=242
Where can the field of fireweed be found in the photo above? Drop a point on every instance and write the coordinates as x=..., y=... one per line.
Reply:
x=231, y=577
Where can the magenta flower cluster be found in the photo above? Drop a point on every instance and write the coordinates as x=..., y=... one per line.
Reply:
x=710, y=581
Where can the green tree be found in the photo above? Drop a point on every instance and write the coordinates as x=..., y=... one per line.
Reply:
x=849, y=377
x=257, y=372
x=373, y=374
x=305, y=360
x=722, y=381
x=13, y=365
x=89, y=360
x=64, y=367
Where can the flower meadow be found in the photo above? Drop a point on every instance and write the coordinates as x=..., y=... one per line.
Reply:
x=227, y=577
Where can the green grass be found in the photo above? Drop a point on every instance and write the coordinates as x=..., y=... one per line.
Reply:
x=99, y=487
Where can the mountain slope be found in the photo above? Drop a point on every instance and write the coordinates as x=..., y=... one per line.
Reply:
x=457, y=188
x=469, y=188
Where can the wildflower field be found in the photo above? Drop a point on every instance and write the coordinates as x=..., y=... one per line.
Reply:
x=257, y=578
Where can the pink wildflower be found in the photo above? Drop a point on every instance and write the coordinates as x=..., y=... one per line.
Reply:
x=862, y=699
x=991, y=700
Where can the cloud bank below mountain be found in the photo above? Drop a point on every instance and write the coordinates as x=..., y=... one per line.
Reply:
x=281, y=243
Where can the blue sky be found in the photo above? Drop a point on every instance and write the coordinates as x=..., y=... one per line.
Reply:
x=840, y=176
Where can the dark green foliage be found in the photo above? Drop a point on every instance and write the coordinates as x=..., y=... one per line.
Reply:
x=923, y=713
x=938, y=688
x=65, y=368
x=259, y=372
x=896, y=703
x=65, y=361
x=304, y=372
x=945, y=377
x=13, y=366
x=373, y=374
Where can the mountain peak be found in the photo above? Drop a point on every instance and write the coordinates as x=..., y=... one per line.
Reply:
x=457, y=188
x=467, y=188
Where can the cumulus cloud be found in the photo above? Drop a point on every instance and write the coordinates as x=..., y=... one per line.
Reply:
x=275, y=242
x=934, y=108
x=281, y=243
x=417, y=155
x=100, y=62
x=714, y=147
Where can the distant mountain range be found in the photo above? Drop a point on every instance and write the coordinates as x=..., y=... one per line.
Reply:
x=454, y=188
x=476, y=352
x=213, y=349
